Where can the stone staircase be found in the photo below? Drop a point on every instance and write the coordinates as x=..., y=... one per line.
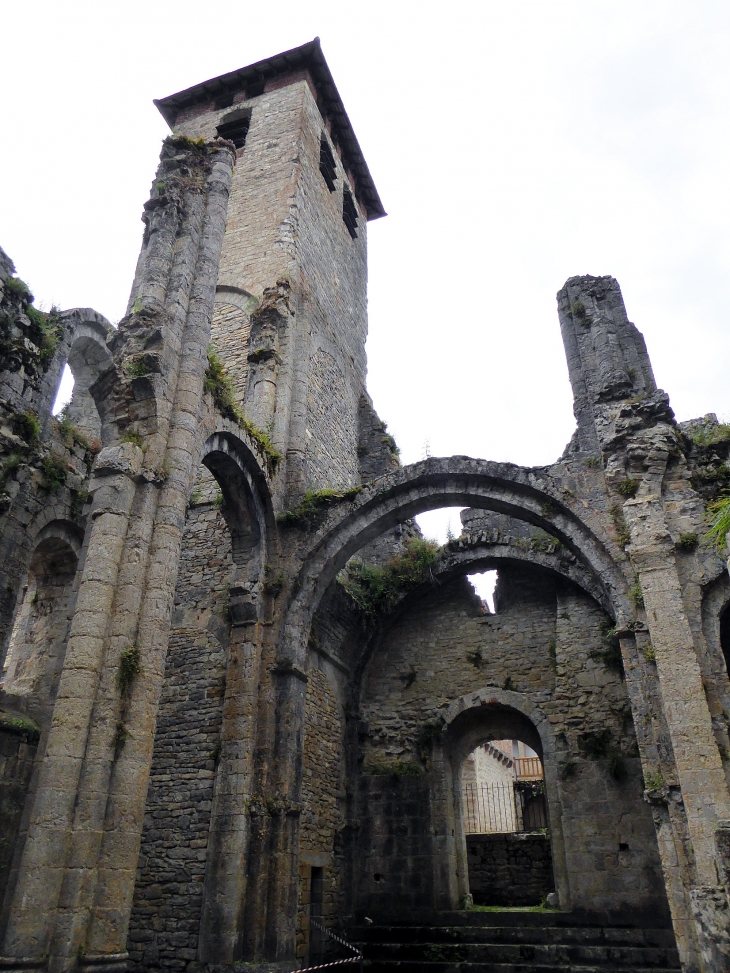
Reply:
x=515, y=942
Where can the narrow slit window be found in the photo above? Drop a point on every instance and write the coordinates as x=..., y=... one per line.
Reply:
x=235, y=130
x=327, y=164
x=349, y=213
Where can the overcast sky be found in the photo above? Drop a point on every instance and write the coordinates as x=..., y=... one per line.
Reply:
x=514, y=144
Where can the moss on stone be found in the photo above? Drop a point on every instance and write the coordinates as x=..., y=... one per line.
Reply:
x=628, y=486
x=313, y=505
x=623, y=535
x=129, y=668
x=27, y=427
x=19, y=288
x=688, y=541
x=55, y=473
x=20, y=725
x=220, y=387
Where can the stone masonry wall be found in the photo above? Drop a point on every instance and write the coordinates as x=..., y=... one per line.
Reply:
x=165, y=922
x=230, y=330
x=509, y=869
x=284, y=223
x=547, y=643
x=321, y=799
x=331, y=455
x=17, y=756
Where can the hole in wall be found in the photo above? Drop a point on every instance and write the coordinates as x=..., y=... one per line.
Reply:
x=484, y=585
x=65, y=390
x=725, y=636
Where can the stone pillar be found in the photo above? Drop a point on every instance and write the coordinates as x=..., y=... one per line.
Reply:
x=227, y=863
x=291, y=688
x=269, y=323
x=32, y=918
x=619, y=407
x=699, y=767
x=77, y=876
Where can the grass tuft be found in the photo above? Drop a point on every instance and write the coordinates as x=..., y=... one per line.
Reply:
x=313, y=504
x=129, y=669
x=220, y=387
x=720, y=525
x=628, y=487
x=55, y=473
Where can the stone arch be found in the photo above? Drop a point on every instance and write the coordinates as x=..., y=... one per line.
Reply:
x=247, y=507
x=714, y=656
x=88, y=357
x=37, y=645
x=231, y=332
x=493, y=714
x=471, y=557
x=237, y=296
x=205, y=716
x=522, y=493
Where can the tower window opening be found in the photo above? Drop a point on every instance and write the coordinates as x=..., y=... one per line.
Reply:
x=349, y=213
x=327, y=164
x=235, y=130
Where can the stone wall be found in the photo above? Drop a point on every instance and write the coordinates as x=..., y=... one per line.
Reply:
x=322, y=798
x=509, y=869
x=284, y=224
x=17, y=756
x=331, y=425
x=230, y=330
x=547, y=644
x=165, y=923
x=397, y=857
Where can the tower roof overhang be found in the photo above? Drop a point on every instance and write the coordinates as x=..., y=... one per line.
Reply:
x=308, y=57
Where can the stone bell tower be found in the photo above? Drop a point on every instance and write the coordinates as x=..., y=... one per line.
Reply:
x=290, y=320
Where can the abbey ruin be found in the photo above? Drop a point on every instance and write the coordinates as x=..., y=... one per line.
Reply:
x=240, y=689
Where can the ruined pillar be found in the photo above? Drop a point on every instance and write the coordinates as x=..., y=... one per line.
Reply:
x=74, y=892
x=622, y=414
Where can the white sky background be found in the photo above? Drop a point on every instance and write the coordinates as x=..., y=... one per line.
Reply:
x=514, y=144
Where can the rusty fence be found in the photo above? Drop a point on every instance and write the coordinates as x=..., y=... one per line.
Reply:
x=504, y=807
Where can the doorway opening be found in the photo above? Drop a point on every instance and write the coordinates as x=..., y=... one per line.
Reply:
x=504, y=810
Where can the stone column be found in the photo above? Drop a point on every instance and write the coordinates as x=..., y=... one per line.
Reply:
x=226, y=866
x=269, y=323
x=77, y=876
x=32, y=917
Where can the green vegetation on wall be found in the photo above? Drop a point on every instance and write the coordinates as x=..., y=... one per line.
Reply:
x=220, y=387
x=375, y=590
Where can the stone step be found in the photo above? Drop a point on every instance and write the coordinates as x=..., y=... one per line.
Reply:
x=537, y=935
x=556, y=955
x=520, y=917
x=487, y=966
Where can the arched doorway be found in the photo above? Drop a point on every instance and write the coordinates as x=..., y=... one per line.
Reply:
x=504, y=810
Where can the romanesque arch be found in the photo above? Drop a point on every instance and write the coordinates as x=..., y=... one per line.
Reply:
x=203, y=720
x=38, y=640
x=497, y=714
x=88, y=357
x=522, y=493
